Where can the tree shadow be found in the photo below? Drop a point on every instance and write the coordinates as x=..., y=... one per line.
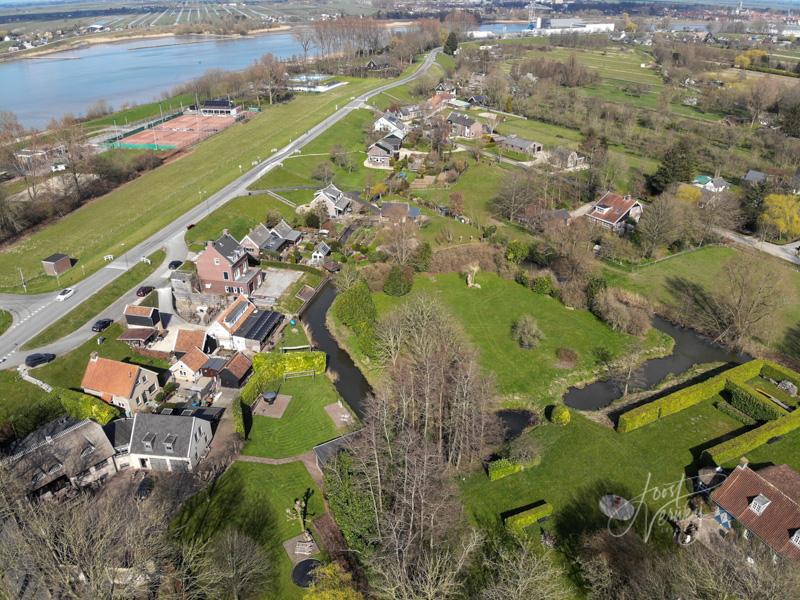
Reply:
x=790, y=345
x=694, y=301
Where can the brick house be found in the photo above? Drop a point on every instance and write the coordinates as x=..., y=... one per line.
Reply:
x=223, y=268
x=462, y=125
x=123, y=385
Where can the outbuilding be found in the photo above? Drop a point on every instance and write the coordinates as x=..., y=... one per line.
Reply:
x=56, y=264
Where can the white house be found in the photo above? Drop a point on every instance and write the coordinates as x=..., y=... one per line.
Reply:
x=321, y=251
x=168, y=442
x=335, y=201
x=243, y=327
x=714, y=185
x=389, y=124
x=189, y=367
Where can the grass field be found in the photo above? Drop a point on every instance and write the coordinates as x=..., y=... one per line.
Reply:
x=487, y=315
x=704, y=267
x=67, y=370
x=238, y=216
x=97, y=303
x=253, y=498
x=304, y=425
x=5, y=321
x=140, y=208
x=584, y=459
x=23, y=406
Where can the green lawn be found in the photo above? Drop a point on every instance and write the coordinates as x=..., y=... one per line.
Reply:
x=487, y=315
x=289, y=303
x=23, y=406
x=5, y=320
x=67, y=370
x=98, y=302
x=238, y=216
x=304, y=425
x=253, y=498
x=584, y=458
x=140, y=208
x=293, y=336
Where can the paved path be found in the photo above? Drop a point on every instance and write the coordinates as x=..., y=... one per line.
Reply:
x=32, y=314
x=787, y=252
x=308, y=459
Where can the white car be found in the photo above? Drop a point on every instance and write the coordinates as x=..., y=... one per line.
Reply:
x=64, y=294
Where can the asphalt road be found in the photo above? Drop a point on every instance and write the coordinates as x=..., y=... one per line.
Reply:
x=34, y=313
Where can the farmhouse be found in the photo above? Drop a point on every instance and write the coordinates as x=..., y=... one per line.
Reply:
x=612, y=210
x=168, y=442
x=767, y=504
x=462, y=125
x=243, y=327
x=223, y=268
x=518, y=144
x=123, y=385
x=335, y=201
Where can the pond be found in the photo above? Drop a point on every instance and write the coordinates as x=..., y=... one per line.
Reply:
x=690, y=349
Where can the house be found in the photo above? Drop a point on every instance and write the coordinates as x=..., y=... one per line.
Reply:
x=168, y=442
x=141, y=316
x=445, y=86
x=56, y=264
x=321, y=250
x=458, y=104
x=462, y=125
x=236, y=371
x=61, y=454
x=380, y=62
x=243, y=327
x=285, y=231
x=518, y=144
x=438, y=101
x=478, y=100
x=766, y=502
x=261, y=239
x=335, y=201
x=255, y=240
x=714, y=185
x=755, y=177
x=189, y=367
x=613, y=210
x=123, y=385
x=409, y=113
x=566, y=159
x=389, y=124
x=399, y=212
x=187, y=339
x=118, y=433
x=379, y=155
x=223, y=268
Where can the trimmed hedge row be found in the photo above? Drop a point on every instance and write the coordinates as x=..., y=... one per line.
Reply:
x=274, y=365
x=82, y=406
x=751, y=403
x=742, y=444
x=734, y=413
x=502, y=468
x=694, y=394
x=778, y=373
x=518, y=522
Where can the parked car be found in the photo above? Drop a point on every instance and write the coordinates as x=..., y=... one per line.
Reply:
x=64, y=294
x=40, y=358
x=102, y=324
x=144, y=290
x=174, y=264
x=144, y=489
x=190, y=225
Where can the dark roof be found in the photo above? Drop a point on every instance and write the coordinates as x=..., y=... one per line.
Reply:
x=284, y=230
x=218, y=103
x=273, y=243
x=55, y=257
x=215, y=363
x=228, y=247
x=138, y=334
x=207, y=413
x=118, y=432
x=156, y=428
x=259, y=325
x=461, y=119
x=391, y=141
x=755, y=176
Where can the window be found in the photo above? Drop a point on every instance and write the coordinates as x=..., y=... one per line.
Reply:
x=759, y=504
x=169, y=442
x=148, y=440
x=216, y=261
x=225, y=275
x=228, y=289
x=87, y=451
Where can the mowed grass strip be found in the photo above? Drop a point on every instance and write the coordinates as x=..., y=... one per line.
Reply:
x=142, y=207
x=97, y=303
x=5, y=321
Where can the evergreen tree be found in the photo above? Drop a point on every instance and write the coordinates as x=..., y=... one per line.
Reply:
x=398, y=283
x=677, y=165
x=451, y=45
x=423, y=258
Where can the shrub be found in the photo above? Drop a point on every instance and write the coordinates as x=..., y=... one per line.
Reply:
x=734, y=448
x=423, y=257
x=375, y=275
x=526, y=332
x=165, y=392
x=522, y=278
x=516, y=251
x=621, y=310
x=398, y=282
x=573, y=294
x=543, y=284
x=502, y=468
x=272, y=366
x=747, y=400
x=82, y=406
x=518, y=522
x=237, y=411
x=560, y=415
x=567, y=357
x=734, y=413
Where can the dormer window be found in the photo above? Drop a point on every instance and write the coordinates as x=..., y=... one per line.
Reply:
x=148, y=440
x=37, y=477
x=759, y=504
x=55, y=468
x=169, y=442
x=87, y=451
x=601, y=209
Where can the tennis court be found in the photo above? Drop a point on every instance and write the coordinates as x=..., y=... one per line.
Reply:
x=179, y=132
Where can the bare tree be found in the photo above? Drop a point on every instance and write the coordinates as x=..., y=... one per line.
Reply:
x=305, y=37
x=658, y=225
x=238, y=564
x=401, y=241
x=271, y=74
x=522, y=573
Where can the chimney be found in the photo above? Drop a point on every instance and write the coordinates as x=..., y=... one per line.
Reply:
x=225, y=231
x=93, y=356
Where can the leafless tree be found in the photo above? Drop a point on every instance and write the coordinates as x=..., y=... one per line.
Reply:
x=70, y=135
x=305, y=37
x=658, y=225
x=522, y=573
x=14, y=138
x=238, y=565
x=271, y=74
x=401, y=241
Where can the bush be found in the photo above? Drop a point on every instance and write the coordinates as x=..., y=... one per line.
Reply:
x=165, y=392
x=518, y=522
x=621, y=310
x=272, y=366
x=375, y=275
x=82, y=406
x=526, y=332
x=560, y=415
x=543, y=284
x=573, y=294
x=502, y=468
x=522, y=278
x=237, y=410
x=356, y=309
x=734, y=413
x=747, y=400
x=567, y=357
x=398, y=282
x=423, y=257
x=734, y=448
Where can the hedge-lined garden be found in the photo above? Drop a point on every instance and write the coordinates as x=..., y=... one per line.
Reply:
x=751, y=403
x=518, y=522
x=732, y=449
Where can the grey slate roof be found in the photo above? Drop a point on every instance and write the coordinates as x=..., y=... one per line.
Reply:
x=228, y=247
x=461, y=119
x=755, y=176
x=157, y=429
x=338, y=197
x=54, y=257
x=518, y=143
x=259, y=234
x=719, y=182
x=118, y=432
x=284, y=230
x=215, y=363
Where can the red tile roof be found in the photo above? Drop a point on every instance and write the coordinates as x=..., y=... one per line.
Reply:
x=110, y=377
x=238, y=365
x=188, y=339
x=612, y=208
x=778, y=522
x=194, y=359
x=136, y=310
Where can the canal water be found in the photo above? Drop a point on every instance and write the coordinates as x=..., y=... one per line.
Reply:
x=690, y=349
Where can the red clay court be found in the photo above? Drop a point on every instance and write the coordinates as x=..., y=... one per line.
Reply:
x=179, y=132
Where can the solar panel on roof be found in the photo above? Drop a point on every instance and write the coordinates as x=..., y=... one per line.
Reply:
x=235, y=314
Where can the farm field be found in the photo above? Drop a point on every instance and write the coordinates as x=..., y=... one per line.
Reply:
x=140, y=208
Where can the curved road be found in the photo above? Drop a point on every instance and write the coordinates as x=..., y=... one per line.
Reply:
x=34, y=313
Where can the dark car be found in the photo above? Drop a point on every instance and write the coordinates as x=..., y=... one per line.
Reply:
x=144, y=290
x=144, y=489
x=40, y=358
x=102, y=324
x=174, y=264
x=190, y=225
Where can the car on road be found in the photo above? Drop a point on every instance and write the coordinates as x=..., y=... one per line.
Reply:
x=64, y=294
x=144, y=489
x=144, y=290
x=40, y=358
x=190, y=225
x=174, y=264
x=102, y=324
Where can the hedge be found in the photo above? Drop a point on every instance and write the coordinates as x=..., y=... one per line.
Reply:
x=742, y=444
x=734, y=413
x=82, y=406
x=751, y=403
x=518, y=522
x=694, y=394
x=238, y=416
x=502, y=468
x=274, y=365
x=778, y=373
